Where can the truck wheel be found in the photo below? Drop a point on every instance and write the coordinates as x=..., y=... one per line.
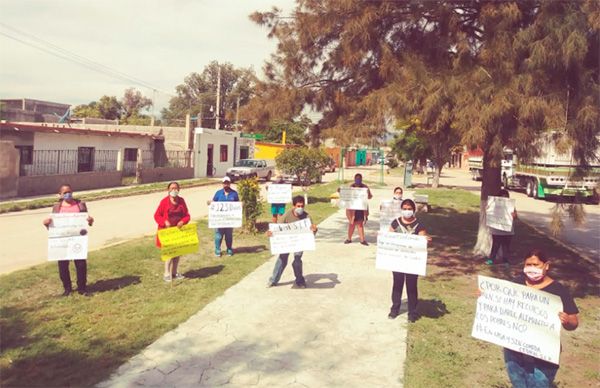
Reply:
x=535, y=189
x=268, y=177
x=529, y=188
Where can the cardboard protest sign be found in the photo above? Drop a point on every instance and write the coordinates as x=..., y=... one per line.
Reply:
x=67, y=236
x=389, y=211
x=225, y=215
x=279, y=193
x=176, y=241
x=292, y=237
x=499, y=213
x=355, y=198
x=519, y=318
x=401, y=252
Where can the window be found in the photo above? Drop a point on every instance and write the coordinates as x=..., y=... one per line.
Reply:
x=223, y=153
x=26, y=153
x=85, y=159
x=131, y=154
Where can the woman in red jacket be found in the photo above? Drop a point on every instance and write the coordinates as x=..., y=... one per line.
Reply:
x=172, y=211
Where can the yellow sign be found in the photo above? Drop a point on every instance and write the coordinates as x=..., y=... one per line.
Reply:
x=178, y=241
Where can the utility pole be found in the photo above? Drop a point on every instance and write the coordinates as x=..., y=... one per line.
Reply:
x=218, y=111
x=237, y=112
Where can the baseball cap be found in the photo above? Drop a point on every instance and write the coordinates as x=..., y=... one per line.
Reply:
x=226, y=179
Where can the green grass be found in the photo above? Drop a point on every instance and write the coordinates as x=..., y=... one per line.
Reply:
x=78, y=341
x=441, y=351
x=113, y=193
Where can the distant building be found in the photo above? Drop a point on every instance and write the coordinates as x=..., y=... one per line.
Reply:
x=33, y=111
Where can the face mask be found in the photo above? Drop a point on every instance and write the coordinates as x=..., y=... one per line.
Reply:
x=534, y=274
x=299, y=211
x=67, y=196
x=407, y=213
x=358, y=181
x=174, y=193
x=397, y=197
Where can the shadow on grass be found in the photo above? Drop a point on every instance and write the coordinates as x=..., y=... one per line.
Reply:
x=432, y=308
x=314, y=280
x=204, y=272
x=113, y=284
x=251, y=249
x=14, y=330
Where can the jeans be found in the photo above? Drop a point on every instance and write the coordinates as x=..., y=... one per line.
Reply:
x=65, y=274
x=411, y=291
x=528, y=372
x=219, y=233
x=500, y=241
x=280, y=265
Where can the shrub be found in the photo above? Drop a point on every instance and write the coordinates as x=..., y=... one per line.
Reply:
x=249, y=192
x=302, y=159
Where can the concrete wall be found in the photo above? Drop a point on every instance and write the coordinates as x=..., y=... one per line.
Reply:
x=268, y=150
x=176, y=138
x=203, y=138
x=66, y=141
x=37, y=185
x=9, y=169
x=149, y=175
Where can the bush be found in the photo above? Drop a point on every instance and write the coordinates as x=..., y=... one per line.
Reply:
x=392, y=163
x=249, y=192
x=299, y=160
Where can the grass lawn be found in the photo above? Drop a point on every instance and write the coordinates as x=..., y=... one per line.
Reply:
x=79, y=341
x=441, y=351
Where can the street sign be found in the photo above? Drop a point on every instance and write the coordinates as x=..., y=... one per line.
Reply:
x=256, y=136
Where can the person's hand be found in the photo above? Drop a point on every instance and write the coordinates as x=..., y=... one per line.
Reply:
x=568, y=321
x=514, y=215
x=478, y=293
x=167, y=224
x=90, y=220
x=180, y=224
x=208, y=202
x=314, y=228
x=428, y=238
x=269, y=233
x=47, y=222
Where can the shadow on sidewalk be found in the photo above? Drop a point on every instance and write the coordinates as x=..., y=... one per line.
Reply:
x=113, y=284
x=204, y=272
x=313, y=280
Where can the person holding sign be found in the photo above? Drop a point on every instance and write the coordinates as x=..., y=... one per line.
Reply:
x=277, y=209
x=226, y=194
x=501, y=238
x=296, y=213
x=408, y=224
x=357, y=218
x=524, y=370
x=172, y=211
x=68, y=204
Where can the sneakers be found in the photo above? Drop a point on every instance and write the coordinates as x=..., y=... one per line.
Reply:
x=392, y=315
x=217, y=253
x=299, y=285
x=230, y=252
x=347, y=241
x=364, y=243
x=66, y=293
x=178, y=276
x=269, y=284
x=413, y=317
x=167, y=278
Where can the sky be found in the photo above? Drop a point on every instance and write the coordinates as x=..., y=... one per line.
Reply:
x=156, y=42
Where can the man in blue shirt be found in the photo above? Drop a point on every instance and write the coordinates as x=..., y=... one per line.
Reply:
x=226, y=194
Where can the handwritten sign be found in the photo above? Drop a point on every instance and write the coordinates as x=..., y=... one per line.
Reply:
x=178, y=241
x=499, y=213
x=279, y=193
x=401, y=252
x=355, y=198
x=292, y=237
x=389, y=211
x=67, y=236
x=519, y=318
x=224, y=215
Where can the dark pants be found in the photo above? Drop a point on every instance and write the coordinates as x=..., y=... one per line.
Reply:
x=411, y=290
x=528, y=372
x=280, y=265
x=499, y=241
x=65, y=275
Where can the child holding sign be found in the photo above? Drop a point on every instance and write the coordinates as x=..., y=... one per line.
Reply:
x=172, y=211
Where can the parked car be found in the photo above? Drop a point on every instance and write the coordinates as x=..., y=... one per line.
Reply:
x=302, y=180
x=330, y=166
x=249, y=168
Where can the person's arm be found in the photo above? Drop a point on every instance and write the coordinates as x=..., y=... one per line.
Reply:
x=568, y=321
x=423, y=232
x=514, y=214
x=159, y=216
x=369, y=191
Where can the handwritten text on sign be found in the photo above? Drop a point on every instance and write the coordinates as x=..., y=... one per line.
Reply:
x=279, y=193
x=499, y=213
x=225, y=215
x=390, y=210
x=401, y=252
x=178, y=241
x=355, y=198
x=67, y=236
x=292, y=237
x=519, y=318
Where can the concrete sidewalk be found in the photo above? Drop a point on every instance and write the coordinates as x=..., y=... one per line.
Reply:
x=333, y=333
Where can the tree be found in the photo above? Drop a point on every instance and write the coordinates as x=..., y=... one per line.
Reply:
x=295, y=132
x=302, y=160
x=132, y=105
x=107, y=108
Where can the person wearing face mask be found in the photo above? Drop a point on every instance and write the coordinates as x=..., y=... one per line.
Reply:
x=226, y=194
x=296, y=213
x=172, y=211
x=528, y=371
x=357, y=218
x=501, y=239
x=398, y=193
x=68, y=204
x=407, y=223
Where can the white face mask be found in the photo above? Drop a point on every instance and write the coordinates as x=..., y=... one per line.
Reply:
x=299, y=211
x=397, y=197
x=407, y=213
x=534, y=274
x=174, y=193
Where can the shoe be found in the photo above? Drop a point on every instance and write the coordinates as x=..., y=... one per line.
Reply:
x=300, y=285
x=413, y=317
x=347, y=241
x=489, y=262
x=218, y=253
x=392, y=315
x=230, y=252
x=364, y=243
x=269, y=285
x=82, y=291
x=66, y=293
x=178, y=276
x=167, y=278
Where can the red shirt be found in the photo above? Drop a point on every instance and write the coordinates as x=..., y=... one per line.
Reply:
x=171, y=212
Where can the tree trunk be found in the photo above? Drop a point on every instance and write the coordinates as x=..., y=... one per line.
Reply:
x=490, y=184
x=436, y=176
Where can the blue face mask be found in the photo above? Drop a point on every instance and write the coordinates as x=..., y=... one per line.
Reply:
x=358, y=181
x=67, y=196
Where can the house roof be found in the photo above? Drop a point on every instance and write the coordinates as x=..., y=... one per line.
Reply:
x=65, y=129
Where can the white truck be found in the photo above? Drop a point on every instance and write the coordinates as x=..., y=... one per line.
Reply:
x=251, y=168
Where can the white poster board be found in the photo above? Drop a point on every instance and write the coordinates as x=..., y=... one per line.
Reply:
x=279, y=193
x=499, y=213
x=292, y=237
x=355, y=198
x=225, y=215
x=519, y=318
x=389, y=211
x=401, y=252
x=67, y=236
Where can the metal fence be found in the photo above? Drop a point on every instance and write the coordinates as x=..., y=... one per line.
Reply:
x=152, y=159
x=60, y=162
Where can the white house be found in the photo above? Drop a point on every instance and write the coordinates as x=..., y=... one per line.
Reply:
x=217, y=150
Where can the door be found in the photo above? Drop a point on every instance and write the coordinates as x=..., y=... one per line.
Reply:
x=210, y=169
x=85, y=159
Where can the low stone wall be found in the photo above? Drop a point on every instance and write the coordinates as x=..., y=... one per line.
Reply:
x=38, y=185
x=149, y=175
x=9, y=169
